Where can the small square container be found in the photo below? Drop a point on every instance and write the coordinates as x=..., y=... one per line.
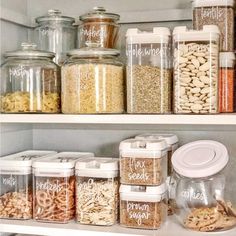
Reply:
x=54, y=187
x=16, y=184
x=143, y=207
x=143, y=162
x=97, y=189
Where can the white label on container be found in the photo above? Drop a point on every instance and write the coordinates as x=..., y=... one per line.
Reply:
x=137, y=51
x=138, y=211
x=214, y=13
x=137, y=170
x=193, y=195
x=19, y=71
x=92, y=32
x=11, y=181
x=48, y=186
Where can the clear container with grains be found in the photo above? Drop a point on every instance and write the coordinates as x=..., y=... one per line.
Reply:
x=216, y=12
x=143, y=207
x=97, y=190
x=93, y=82
x=143, y=162
x=196, y=55
x=55, y=33
x=54, y=187
x=30, y=82
x=98, y=27
x=149, y=73
x=16, y=187
x=226, y=82
x=203, y=202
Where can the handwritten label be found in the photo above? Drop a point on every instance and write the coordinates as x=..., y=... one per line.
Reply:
x=47, y=31
x=92, y=32
x=192, y=195
x=215, y=13
x=49, y=186
x=138, y=211
x=9, y=181
x=137, y=170
x=19, y=71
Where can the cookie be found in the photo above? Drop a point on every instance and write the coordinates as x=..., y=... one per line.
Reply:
x=226, y=222
x=231, y=209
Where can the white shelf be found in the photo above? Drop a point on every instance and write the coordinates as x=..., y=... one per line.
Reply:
x=74, y=229
x=221, y=119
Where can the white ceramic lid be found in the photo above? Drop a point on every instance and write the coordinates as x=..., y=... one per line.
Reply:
x=200, y=159
x=169, y=138
x=62, y=160
x=142, y=193
x=97, y=167
x=211, y=3
x=208, y=33
x=158, y=35
x=227, y=59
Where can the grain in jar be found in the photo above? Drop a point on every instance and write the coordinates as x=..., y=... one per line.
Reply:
x=196, y=55
x=97, y=188
x=93, y=82
x=143, y=207
x=143, y=162
x=149, y=74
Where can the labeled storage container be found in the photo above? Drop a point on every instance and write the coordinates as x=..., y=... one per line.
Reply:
x=30, y=82
x=149, y=73
x=56, y=33
x=97, y=189
x=196, y=55
x=217, y=12
x=98, y=27
x=93, y=82
x=16, y=184
x=226, y=82
x=143, y=207
x=200, y=187
x=54, y=187
x=143, y=162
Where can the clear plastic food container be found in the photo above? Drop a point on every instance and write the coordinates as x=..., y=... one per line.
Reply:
x=217, y=12
x=56, y=33
x=93, y=82
x=196, y=55
x=30, y=82
x=98, y=27
x=200, y=189
x=54, y=187
x=149, y=73
x=226, y=82
x=97, y=189
x=143, y=162
x=143, y=207
x=16, y=184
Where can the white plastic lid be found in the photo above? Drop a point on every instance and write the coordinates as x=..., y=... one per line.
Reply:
x=100, y=167
x=146, y=148
x=170, y=139
x=200, y=159
x=212, y=3
x=208, y=33
x=142, y=193
x=158, y=35
x=227, y=59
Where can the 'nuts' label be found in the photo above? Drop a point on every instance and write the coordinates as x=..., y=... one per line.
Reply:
x=137, y=170
x=215, y=13
x=92, y=32
x=48, y=186
x=197, y=195
x=19, y=71
x=9, y=181
x=138, y=211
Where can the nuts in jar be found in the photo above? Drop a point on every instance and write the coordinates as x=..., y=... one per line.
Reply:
x=143, y=162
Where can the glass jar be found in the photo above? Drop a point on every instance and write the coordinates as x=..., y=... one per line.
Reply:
x=54, y=187
x=149, y=74
x=200, y=186
x=196, y=55
x=226, y=82
x=217, y=12
x=98, y=27
x=93, y=82
x=30, y=82
x=16, y=184
x=143, y=162
x=143, y=207
x=97, y=189
x=56, y=33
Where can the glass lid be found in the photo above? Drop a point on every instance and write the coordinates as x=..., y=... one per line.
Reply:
x=29, y=50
